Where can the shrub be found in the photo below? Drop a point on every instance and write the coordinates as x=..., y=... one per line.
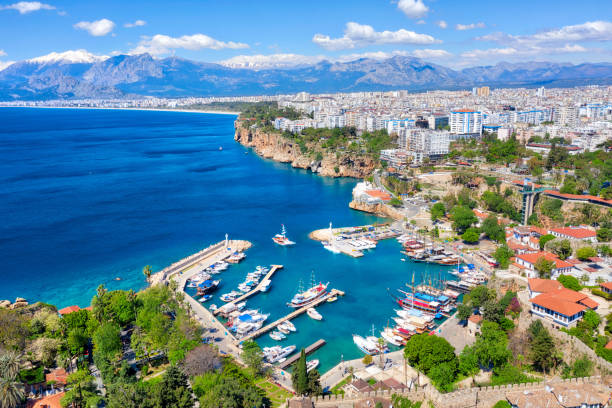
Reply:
x=569, y=282
x=585, y=253
x=599, y=292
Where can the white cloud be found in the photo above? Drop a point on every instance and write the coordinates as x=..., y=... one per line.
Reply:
x=163, y=44
x=96, y=28
x=413, y=8
x=2, y=53
x=5, y=64
x=589, y=31
x=361, y=35
x=431, y=54
x=442, y=24
x=463, y=27
x=137, y=23
x=523, y=52
x=25, y=7
x=421, y=22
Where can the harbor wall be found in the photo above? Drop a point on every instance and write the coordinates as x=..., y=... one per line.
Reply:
x=273, y=145
x=382, y=210
x=477, y=396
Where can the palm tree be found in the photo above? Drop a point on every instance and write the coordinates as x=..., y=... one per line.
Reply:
x=147, y=270
x=11, y=392
x=9, y=364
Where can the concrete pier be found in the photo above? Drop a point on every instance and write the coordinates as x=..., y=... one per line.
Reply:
x=265, y=329
x=313, y=347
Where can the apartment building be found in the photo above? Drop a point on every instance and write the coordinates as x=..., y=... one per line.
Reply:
x=465, y=123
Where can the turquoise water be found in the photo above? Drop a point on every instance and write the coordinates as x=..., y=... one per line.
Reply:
x=91, y=195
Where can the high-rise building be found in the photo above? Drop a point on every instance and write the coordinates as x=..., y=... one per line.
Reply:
x=566, y=115
x=425, y=143
x=465, y=122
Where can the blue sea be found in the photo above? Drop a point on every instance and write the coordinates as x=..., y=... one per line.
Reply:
x=88, y=196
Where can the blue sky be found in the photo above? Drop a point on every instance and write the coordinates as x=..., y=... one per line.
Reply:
x=262, y=33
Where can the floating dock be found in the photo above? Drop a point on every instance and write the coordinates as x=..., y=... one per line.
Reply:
x=257, y=288
x=313, y=347
x=265, y=329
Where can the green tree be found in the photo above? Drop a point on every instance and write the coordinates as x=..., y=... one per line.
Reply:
x=492, y=345
x=173, y=390
x=463, y=312
x=469, y=362
x=11, y=392
x=502, y=404
x=502, y=255
x=471, y=235
x=493, y=230
x=591, y=320
x=300, y=375
x=437, y=211
x=585, y=253
x=479, y=295
x=604, y=234
x=541, y=343
x=544, y=267
x=463, y=218
x=107, y=341
x=425, y=352
x=570, y=282
x=147, y=271
x=80, y=389
x=9, y=364
x=544, y=239
x=562, y=248
x=253, y=356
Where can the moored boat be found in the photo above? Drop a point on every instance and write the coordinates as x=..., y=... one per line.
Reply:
x=313, y=314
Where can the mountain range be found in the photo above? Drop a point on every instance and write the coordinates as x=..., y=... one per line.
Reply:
x=80, y=76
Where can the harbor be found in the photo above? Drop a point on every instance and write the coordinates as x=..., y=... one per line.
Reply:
x=354, y=241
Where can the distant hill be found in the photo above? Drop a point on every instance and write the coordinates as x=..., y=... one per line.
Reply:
x=81, y=75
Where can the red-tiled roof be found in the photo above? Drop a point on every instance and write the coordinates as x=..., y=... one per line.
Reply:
x=69, y=309
x=590, y=303
x=575, y=232
x=573, y=261
x=533, y=258
x=578, y=197
x=607, y=285
x=558, y=305
x=475, y=319
x=379, y=194
x=59, y=375
x=609, y=345
x=51, y=401
x=543, y=285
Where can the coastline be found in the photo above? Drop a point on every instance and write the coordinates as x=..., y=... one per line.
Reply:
x=130, y=109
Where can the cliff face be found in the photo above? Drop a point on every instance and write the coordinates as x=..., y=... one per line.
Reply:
x=378, y=209
x=276, y=147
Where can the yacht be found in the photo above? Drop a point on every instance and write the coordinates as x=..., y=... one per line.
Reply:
x=205, y=298
x=391, y=337
x=281, y=239
x=288, y=325
x=313, y=314
x=364, y=345
x=305, y=298
x=278, y=336
x=311, y=365
x=265, y=285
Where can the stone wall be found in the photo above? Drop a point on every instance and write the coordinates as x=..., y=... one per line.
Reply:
x=478, y=396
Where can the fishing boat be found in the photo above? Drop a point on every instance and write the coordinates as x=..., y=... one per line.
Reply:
x=205, y=298
x=281, y=239
x=304, y=298
x=313, y=314
x=207, y=286
x=311, y=365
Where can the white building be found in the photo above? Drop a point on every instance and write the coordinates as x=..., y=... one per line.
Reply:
x=425, y=143
x=465, y=123
x=566, y=116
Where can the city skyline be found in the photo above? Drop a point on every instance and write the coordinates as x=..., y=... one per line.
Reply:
x=280, y=34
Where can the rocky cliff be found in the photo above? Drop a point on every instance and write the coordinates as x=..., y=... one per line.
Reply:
x=378, y=209
x=276, y=147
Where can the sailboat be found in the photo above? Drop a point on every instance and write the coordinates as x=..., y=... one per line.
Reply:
x=303, y=298
x=281, y=239
x=330, y=245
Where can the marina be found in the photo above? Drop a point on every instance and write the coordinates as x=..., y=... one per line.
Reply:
x=263, y=284
x=295, y=313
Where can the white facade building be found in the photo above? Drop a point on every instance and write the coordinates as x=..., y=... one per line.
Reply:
x=465, y=122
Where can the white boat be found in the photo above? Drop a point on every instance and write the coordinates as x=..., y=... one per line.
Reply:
x=331, y=247
x=205, y=298
x=311, y=365
x=307, y=297
x=364, y=345
x=313, y=314
x=281, y=239
x=288, y=325
x=277, y=336
x=332, y=299
x=265, y=285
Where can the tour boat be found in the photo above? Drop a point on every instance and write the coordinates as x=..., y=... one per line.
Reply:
x=302, y=299
x=207, y=286
x=281, y=239
x=313, y=314
x=236, y=257
x=364, y=345
x=311, y=365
